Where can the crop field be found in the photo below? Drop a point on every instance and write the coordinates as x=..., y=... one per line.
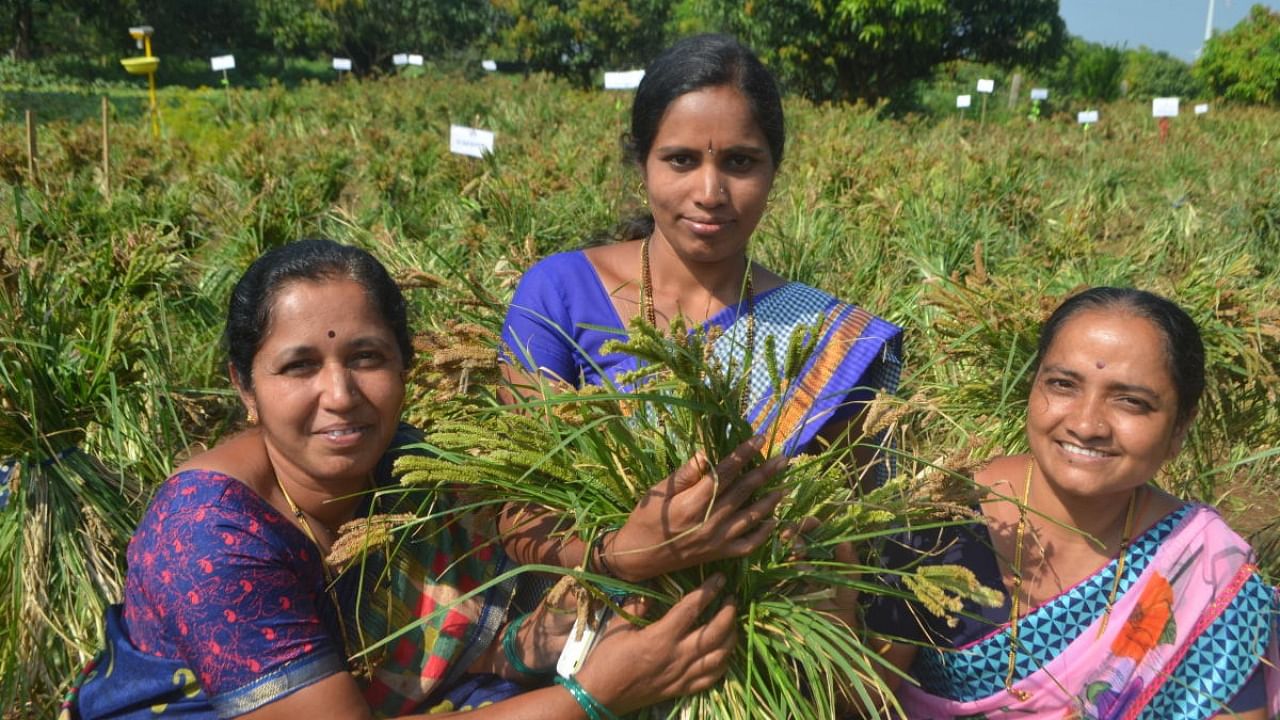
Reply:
x=113, y=284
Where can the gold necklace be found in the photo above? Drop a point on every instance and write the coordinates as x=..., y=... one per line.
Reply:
x=748, y=294
x=330, y=580
x=1015, y=601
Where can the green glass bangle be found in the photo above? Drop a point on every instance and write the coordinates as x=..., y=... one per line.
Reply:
x=591, y=706
x=509, y=649
x=601, y=560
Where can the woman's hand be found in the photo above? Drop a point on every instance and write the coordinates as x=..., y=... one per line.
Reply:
x=633, y=667
x=696, y=515
x=842, y=600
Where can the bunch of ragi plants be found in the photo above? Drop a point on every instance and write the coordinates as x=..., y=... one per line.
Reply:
x=590, y=455
x=67, y=506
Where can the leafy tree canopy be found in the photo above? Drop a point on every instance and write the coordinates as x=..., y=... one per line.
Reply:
x=575, y=38
x=1243, y=64
x=872, y=49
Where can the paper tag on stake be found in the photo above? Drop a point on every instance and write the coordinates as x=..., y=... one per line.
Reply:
x=1039, y=93
x=223, y=62
x=1087, y=117
x=964, y=101
x=400, y=59
x=470, y=141
x=341, y=64
x=986, y=86
x=625, y=80
x=1202, y=108
x=489, y=65
x=1164, y=107
x=415, y=59
x=579, y=642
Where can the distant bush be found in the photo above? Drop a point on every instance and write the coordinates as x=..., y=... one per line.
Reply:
x=1152, y=73
x=1243, y=64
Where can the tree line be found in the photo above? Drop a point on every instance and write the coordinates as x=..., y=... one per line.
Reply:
x=841, y=50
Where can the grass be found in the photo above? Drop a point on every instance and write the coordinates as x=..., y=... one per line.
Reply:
x=966, y=236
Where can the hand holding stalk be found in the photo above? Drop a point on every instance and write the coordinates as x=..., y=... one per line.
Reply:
x=697, y=515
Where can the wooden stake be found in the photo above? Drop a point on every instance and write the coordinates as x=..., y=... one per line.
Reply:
x=106, y=152
x=31, y=146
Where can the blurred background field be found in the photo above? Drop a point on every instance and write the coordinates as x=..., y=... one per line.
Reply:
x=966, y=229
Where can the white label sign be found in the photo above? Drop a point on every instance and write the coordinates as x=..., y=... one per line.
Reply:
x=341, y=64
x=1164, y=107
x=1039, y=93
x=400, y=59
x=470, y=141
x=1087, y=117
x=1202, y=108
x=415, y=59
x=223, y=62
x=986, y=86
x=964, y=101
x=489, y=65
x=627, y=80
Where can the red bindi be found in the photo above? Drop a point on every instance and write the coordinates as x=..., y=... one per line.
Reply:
x=1100, y=364
x=333, y=334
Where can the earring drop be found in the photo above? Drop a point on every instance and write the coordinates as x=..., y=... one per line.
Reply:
x=252, y=418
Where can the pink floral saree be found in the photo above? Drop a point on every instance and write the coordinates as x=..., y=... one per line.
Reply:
x=1191, y=630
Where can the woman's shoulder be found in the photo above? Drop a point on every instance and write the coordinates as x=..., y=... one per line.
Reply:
x=798, y=301
x=229, y=478
x=556, y=266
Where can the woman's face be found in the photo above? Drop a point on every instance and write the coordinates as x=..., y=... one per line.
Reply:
x=708, y=175
x=1102, y=416
x=328, y=383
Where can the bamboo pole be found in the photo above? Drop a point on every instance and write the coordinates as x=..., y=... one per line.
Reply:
x=106, y=152
x=31, y=146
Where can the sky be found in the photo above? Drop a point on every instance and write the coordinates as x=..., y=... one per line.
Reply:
x=1175, y=26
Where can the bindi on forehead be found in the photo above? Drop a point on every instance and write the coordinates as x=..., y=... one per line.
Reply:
x=333, y=334
x=1100, y=364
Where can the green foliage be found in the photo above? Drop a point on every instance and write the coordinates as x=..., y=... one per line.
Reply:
x=1243, y=64
x=965, y=236
x=873, y=49
x=578, y=38
x=371, y=31
x=1152, y=73
x=592, y=455
x=1090, y=71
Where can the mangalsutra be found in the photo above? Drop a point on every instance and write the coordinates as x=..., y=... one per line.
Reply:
x=1015, y=601
x=748, y=295
x=367, y=670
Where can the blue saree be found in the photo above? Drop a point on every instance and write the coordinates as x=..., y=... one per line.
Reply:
x=561, y=316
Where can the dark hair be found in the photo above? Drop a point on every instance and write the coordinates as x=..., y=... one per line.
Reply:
x=315, y=259
x=1183, y=348
x=698, y=62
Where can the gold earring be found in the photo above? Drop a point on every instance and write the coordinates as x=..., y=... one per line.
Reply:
x=643, y=193
x=252, y=418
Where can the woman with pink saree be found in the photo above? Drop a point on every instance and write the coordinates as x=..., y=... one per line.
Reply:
x=1120, y=600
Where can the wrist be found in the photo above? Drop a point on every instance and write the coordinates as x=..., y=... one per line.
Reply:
x=599, y=561
x=518, y=643
x=591, y=706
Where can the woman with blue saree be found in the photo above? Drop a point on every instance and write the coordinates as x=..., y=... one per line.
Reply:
x=1119, y=600
x=243, y=601
x=707, y=137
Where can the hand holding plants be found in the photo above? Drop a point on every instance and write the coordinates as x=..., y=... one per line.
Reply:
x=696, y=515
x=633, y=667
